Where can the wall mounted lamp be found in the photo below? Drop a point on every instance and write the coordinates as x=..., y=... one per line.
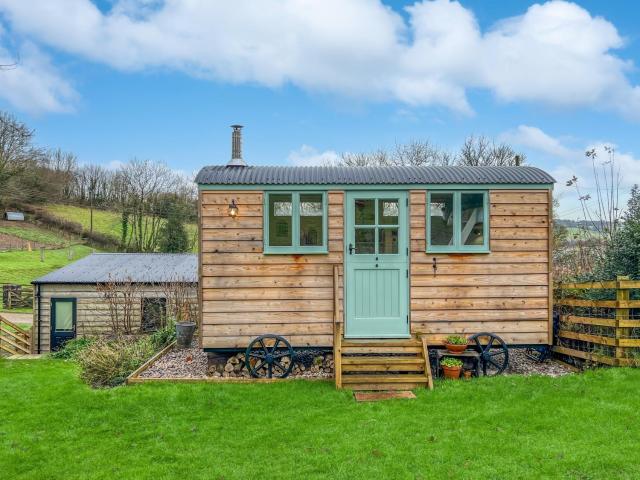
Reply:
x=233, y=209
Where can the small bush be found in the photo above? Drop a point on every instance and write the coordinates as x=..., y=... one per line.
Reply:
x=456, y=340
x=72, y=348
x=450, y=362
x=164, y=336
x=108, y=363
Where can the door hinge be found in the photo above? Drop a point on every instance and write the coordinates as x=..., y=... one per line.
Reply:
x=407, y=273
x=407, y=251
x=407, y=199
x=407, y=319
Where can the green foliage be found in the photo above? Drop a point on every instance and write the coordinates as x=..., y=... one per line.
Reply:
x=107, y=363
x=451, y=362
x=572, y=427
x=22, y=267
x=623, y=256
x=456, y=340
x=73, y=348
x=164, y=336
x=173, y=237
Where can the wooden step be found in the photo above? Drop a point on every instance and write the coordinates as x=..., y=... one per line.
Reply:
x=401, y=378
x=378, y=360
x=388, y=367
x=371, y=348
x=382, y=343
x=383, y=386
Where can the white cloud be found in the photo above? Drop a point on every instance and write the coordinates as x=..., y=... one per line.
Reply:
x=536, y=139
x=307, y=156
x=555, y=53
x=564, y=162
x=31, y=83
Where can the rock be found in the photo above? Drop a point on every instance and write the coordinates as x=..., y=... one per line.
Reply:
x=228, y=367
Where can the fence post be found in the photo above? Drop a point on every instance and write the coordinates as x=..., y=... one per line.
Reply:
x=622, y=314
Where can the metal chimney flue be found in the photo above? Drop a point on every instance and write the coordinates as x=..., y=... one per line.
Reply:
x=236, y=148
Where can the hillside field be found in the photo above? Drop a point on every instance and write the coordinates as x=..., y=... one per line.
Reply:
x=104, y=221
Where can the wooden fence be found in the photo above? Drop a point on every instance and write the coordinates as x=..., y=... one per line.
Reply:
x=13, y=339
x=17, y=296
x=596, y=329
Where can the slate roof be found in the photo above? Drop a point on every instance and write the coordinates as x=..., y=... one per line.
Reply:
x=140, y=267
x=393, y=175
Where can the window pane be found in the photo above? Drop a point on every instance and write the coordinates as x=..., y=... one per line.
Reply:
x=441, y=219
x=365, y=212
x=388, y=240
x=311, y=220
x=64, y=316
x=387, y=212
x=365, y=240
x=280, y=219
x=472, y=216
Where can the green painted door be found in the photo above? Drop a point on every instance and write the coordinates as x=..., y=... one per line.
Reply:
x=376, y=265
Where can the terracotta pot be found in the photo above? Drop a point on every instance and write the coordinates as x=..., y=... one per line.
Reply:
x=455, y=348
x=451, y=372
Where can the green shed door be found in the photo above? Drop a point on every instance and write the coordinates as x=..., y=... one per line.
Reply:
x=376, y=265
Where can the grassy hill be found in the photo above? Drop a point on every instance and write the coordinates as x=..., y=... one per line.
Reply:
x=104, y=221
x=32, y=233
x=22, y=267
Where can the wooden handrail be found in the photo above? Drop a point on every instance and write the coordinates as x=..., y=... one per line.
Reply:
x=337, y=328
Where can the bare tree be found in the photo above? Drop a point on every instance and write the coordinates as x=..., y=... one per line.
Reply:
x=123, y=302
x=480, y=151
x=180, y=295
x=415, y=153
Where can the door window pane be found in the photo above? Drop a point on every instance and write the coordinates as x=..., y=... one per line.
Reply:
x=388, y=240
x=472, y=218
x=441, y=219
x=388, y=212
x=64, y=316
x=365, y=212
x=311, y=220
x=365, y=240
x=280, y=220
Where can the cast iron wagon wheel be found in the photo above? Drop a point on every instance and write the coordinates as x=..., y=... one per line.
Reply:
x=269, y=356
x=494, y=354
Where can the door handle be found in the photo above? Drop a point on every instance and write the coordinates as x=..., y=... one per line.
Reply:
x=351, y=249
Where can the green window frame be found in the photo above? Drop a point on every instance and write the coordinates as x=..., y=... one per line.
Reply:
x=295, y=247
x=457, y=246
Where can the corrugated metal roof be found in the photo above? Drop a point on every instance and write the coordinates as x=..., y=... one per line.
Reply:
x=394, y=175
x=139, y=267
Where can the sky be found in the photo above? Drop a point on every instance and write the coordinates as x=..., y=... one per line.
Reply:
x=111, y=80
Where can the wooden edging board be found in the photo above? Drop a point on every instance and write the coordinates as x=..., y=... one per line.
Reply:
x=132, y=380
x=148, y=363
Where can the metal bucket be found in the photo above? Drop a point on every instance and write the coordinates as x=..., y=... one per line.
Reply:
x=184, y=334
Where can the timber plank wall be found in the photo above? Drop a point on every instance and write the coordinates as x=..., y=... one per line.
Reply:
x=93, y=316
x=504, y=292
x=245, y=293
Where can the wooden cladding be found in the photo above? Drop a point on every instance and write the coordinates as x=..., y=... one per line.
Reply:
x=505, y=291
x=246, y=293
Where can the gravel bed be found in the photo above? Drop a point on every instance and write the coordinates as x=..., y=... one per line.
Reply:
x=187, y=363
x=192, y=363
x=520, y=364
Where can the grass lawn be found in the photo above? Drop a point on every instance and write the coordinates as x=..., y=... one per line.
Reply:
x=104, y=221
x=35, y=234
x=581, y=427
x=22, y=267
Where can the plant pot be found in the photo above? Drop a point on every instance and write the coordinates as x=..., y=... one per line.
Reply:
x=455, y=348
x=451, y=372
x=184, y=334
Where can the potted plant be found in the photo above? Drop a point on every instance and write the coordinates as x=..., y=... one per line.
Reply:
x=451, y=367
x=455, y=343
